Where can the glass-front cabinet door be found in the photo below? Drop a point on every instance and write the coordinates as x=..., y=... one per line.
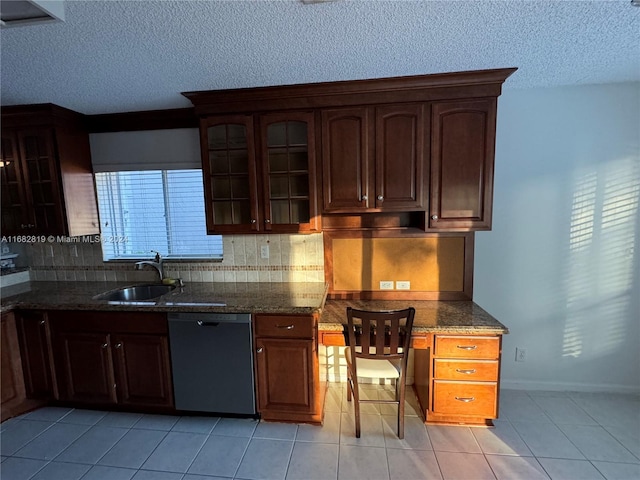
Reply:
x=288, y=172
x=229, y=169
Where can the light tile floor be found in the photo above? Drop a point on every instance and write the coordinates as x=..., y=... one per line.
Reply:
x=558, y=435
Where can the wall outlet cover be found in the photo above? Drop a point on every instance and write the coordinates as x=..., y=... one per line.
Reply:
x=264, y=251
x=403, y=285
x=386, y=285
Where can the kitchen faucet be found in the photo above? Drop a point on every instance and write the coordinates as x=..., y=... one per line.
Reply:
x=156, y=263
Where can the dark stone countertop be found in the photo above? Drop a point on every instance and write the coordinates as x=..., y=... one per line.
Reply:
x=276, y=298
x=432, y=316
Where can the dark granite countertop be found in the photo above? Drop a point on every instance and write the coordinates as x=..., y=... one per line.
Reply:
x=275, y=298
x=431, y=315
x=293, y=298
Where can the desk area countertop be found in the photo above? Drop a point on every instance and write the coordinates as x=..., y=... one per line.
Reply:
x=432, y=316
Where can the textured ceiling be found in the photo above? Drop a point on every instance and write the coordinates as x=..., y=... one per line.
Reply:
x=117, y=56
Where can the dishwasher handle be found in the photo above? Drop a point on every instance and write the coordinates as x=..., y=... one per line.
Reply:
x=207, y=324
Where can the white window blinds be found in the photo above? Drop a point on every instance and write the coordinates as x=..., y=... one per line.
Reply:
x=159, y=210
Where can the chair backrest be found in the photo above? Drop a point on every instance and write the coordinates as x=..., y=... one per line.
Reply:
x=385, y=335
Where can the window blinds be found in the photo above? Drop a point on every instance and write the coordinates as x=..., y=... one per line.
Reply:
x=159, y=210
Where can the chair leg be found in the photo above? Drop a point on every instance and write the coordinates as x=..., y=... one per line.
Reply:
x=401, y=411
x=356, y=406
x=349, y=386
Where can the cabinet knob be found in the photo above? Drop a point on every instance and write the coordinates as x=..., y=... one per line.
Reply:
x=259, y=350
x=119, y=345
x=105, y=345
x=434, y=217
x=266, y=220
x=364, y=198
x=42, y=322
x=253, y=220
x=380, y=197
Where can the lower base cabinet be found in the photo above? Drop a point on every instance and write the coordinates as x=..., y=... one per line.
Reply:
x=12, y=391
x=288, y=383
x=104, y=358
x=457, y=378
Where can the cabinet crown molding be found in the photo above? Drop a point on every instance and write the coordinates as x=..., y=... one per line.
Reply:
x=476, y=83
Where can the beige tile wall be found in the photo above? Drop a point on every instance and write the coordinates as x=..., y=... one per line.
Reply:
x=292, y=258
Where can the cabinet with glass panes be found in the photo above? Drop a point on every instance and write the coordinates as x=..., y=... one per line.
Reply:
x=259, y=173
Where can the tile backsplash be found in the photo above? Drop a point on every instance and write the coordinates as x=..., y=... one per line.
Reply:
x=292, y=258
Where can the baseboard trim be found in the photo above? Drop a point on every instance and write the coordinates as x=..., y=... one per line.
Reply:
x=530, y=385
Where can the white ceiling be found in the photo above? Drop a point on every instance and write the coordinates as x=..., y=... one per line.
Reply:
x=117, y=56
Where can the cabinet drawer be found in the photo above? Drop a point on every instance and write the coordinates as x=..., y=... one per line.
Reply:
x=478, y=370
x=467, y=346
x=465, y=398
x=284, y=326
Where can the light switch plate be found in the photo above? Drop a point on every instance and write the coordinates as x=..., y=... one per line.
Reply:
x=403, y=285
x=386, y=285
x=264, y=251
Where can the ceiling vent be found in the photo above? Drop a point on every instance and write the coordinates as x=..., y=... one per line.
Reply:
x=17, y=13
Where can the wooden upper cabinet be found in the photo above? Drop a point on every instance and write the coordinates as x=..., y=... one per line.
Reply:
x=230, y=177
x=346, y=159
x=462, y=157
x=407, y=148
x=401, y=139
x=373, y=158
x=288, y=165
x=47, y=177
x=259, y=173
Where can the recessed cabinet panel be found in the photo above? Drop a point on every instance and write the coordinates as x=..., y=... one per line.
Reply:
x=346, y=153
x=401, y=134
x=462, y=151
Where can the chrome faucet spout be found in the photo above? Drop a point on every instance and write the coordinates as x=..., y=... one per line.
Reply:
x=157, y=264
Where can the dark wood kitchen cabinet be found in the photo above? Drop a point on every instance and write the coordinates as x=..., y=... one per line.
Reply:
x=259, y=173
x=288, y=383
x=35, y=346
x=374, y=158
x=46, y=179
x=106, y=358
x=12, y=391
x=462, y=159
x=404, y=152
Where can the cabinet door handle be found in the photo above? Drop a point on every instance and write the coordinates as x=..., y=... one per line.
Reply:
x=466, y=347
x=434, y=217
x=364, y=198
x=380, y=197
x=42, y=322
x=286, y=327
x=119, y=345
x=259, y=350
x=207, y=324
x=253, y=220
x=470, y=371
x=105, y=345
x=266, y=220
x=465, y=399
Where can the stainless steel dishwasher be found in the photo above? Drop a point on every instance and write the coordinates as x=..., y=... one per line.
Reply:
x=212, y=360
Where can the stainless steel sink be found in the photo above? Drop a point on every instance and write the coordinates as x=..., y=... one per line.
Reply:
x=136, y=293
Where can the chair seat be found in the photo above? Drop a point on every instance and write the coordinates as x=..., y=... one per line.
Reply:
x=373, y=368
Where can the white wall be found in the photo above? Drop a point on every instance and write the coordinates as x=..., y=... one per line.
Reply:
x=561, y=267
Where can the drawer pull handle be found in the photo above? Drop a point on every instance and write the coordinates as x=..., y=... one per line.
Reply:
x=466, y=347
x=465, y=399
x=286, y=327
x=470, y=371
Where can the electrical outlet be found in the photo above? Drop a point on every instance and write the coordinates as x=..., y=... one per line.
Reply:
x=386, y=285
x=403, y=285
x=73, y=250
x=264, y=251
x=521, y=354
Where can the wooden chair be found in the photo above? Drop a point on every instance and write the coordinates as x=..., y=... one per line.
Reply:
x=379, y=344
